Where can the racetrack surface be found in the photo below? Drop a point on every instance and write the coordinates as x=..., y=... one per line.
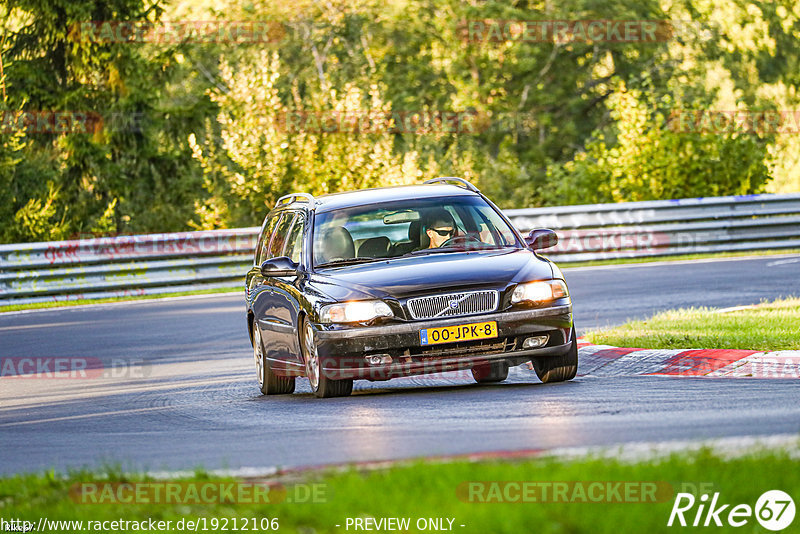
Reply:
x=178, y=389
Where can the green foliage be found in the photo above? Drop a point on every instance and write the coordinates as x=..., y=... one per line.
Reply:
x=649, y=157
x=128, y=174
x=260, y=155
x=35, y=219
x=198, y=145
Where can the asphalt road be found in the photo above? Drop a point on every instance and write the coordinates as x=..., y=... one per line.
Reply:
x=172, y=387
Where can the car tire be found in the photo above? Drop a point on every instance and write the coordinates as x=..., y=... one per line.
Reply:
x=268, y=381
x=491, y=372
x=558, y=368
x=321, y=385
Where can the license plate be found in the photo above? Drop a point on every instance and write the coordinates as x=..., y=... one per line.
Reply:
x=462, y=332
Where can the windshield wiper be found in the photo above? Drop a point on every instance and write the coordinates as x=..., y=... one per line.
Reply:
x=426, y=251
x=440, y=250
x=348, y=261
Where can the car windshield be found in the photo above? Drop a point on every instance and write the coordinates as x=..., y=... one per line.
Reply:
x=409, y=227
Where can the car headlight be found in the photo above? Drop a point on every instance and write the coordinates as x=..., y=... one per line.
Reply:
x=358, y=311
x=539, y=291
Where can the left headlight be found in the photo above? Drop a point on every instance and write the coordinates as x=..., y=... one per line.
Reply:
x=539, y=291
x=358, y=311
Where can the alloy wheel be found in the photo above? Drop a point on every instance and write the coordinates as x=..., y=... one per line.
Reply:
x=311, y=357
x=258, y=355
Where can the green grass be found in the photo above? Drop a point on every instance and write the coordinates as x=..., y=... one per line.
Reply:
x=767, y=326
x=41, y=305
x=432, y=490
x=683, y=257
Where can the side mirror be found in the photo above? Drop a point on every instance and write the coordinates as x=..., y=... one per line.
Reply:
x=280, y=266
x=541, y=238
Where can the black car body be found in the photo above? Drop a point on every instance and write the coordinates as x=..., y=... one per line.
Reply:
x=340, y=289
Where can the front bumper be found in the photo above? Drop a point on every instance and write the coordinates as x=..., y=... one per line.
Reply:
x=342, y=351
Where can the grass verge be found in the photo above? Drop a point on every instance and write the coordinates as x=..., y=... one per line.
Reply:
x=443, y=490
x=766, y=326
x=62, y=304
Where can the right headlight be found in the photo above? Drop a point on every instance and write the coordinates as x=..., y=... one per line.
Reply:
x=355, y=311
x=541, y=291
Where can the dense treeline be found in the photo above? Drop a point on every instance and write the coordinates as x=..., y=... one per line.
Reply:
x=101, y=134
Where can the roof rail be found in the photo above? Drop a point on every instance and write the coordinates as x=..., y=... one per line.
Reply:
x=294, y=197
x=460, y=181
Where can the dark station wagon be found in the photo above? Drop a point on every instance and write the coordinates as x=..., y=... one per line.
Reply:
x=409, y=280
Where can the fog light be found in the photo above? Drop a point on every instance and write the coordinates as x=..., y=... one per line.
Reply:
x=535, y=342
x=378, y=359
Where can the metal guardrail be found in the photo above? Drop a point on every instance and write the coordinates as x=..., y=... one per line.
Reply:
x=667, y=227
x=164, y=263
x=125, y=265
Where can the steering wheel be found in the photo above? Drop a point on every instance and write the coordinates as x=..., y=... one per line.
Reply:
x=461, y=240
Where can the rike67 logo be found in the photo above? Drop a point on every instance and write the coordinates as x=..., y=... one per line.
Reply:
x=774, y=510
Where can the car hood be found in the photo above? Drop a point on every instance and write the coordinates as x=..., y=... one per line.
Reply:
x=405, y=277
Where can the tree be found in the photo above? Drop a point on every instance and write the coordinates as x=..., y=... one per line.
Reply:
x=268, y=148
x=645, y=157
x=127, y=171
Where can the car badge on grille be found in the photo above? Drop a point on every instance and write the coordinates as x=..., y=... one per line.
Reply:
x=453, y=304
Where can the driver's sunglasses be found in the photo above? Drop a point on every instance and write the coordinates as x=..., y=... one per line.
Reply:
x=443, y=232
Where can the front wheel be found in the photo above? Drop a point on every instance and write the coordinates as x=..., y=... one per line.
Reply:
x=321, y=385
x=268, y=382
x=558, y=368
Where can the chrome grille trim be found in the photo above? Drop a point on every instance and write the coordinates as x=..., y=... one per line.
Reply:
x=468, y=303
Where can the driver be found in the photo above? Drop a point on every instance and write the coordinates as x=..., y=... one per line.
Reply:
x=439, y=226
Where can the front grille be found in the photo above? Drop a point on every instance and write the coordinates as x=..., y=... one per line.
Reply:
x=453, y=304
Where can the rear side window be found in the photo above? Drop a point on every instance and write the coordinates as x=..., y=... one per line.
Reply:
x=280, y=235
x=294, y=245
x=263, y=242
